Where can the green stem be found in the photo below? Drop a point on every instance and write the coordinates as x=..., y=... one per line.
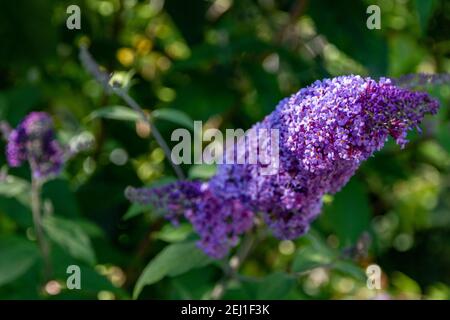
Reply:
x=103, y=78
x=36, y=186
x=232, y=267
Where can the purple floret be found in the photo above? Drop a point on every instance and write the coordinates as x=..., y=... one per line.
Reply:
x=34, y=141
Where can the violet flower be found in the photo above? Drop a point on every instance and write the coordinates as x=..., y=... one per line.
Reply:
x=326, y=131
x=34, y=141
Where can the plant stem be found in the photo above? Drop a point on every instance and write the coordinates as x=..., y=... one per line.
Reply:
x=156, y=134
x=232, y=267
x=93, y=68
x=36, y=185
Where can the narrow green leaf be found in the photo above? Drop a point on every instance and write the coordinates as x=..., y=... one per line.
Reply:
x=314, y=254
x=71, y=237
x=202, y=171
x=90, y=228
x=424, y=10
x=14, y=187
x=175, y=116
x=171, y=234
x=115, y=113
x=136, y=209
x=275, y=286
x=173, y=260
x=309, y=258
x=351, y=269
x=16, y=257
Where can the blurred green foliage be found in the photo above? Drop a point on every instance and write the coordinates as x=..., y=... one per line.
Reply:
x=226, y=63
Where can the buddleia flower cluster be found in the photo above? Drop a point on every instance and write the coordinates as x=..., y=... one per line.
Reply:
x=326, y=131
x=34, y=141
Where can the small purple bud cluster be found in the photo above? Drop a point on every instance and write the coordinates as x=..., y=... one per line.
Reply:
x=5, y=130
x=415, y=80
x=326, y=131
x=218, y=225
x=34, y=141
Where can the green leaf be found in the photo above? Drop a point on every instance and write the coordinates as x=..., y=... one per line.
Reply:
x=17, y=211
x=309, y=258
x=15, y=199
x=136, y=209
x=90, y=228
x=202, y=171
x=175, y=116
x=406, y=285
x=115, y=113
x=171, y=234
x=16, y=257
x=173, y=260
x=351, y=269
x=71, y=237
x=424, y=10
x=275, y=286
x=195, y=284
x=316, y=240
x=314, y=254
x=14, y=187
x=350, y=213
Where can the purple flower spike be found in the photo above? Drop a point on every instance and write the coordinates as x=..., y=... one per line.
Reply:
x=34, y=141
x=325, y=132
x=218, y=226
